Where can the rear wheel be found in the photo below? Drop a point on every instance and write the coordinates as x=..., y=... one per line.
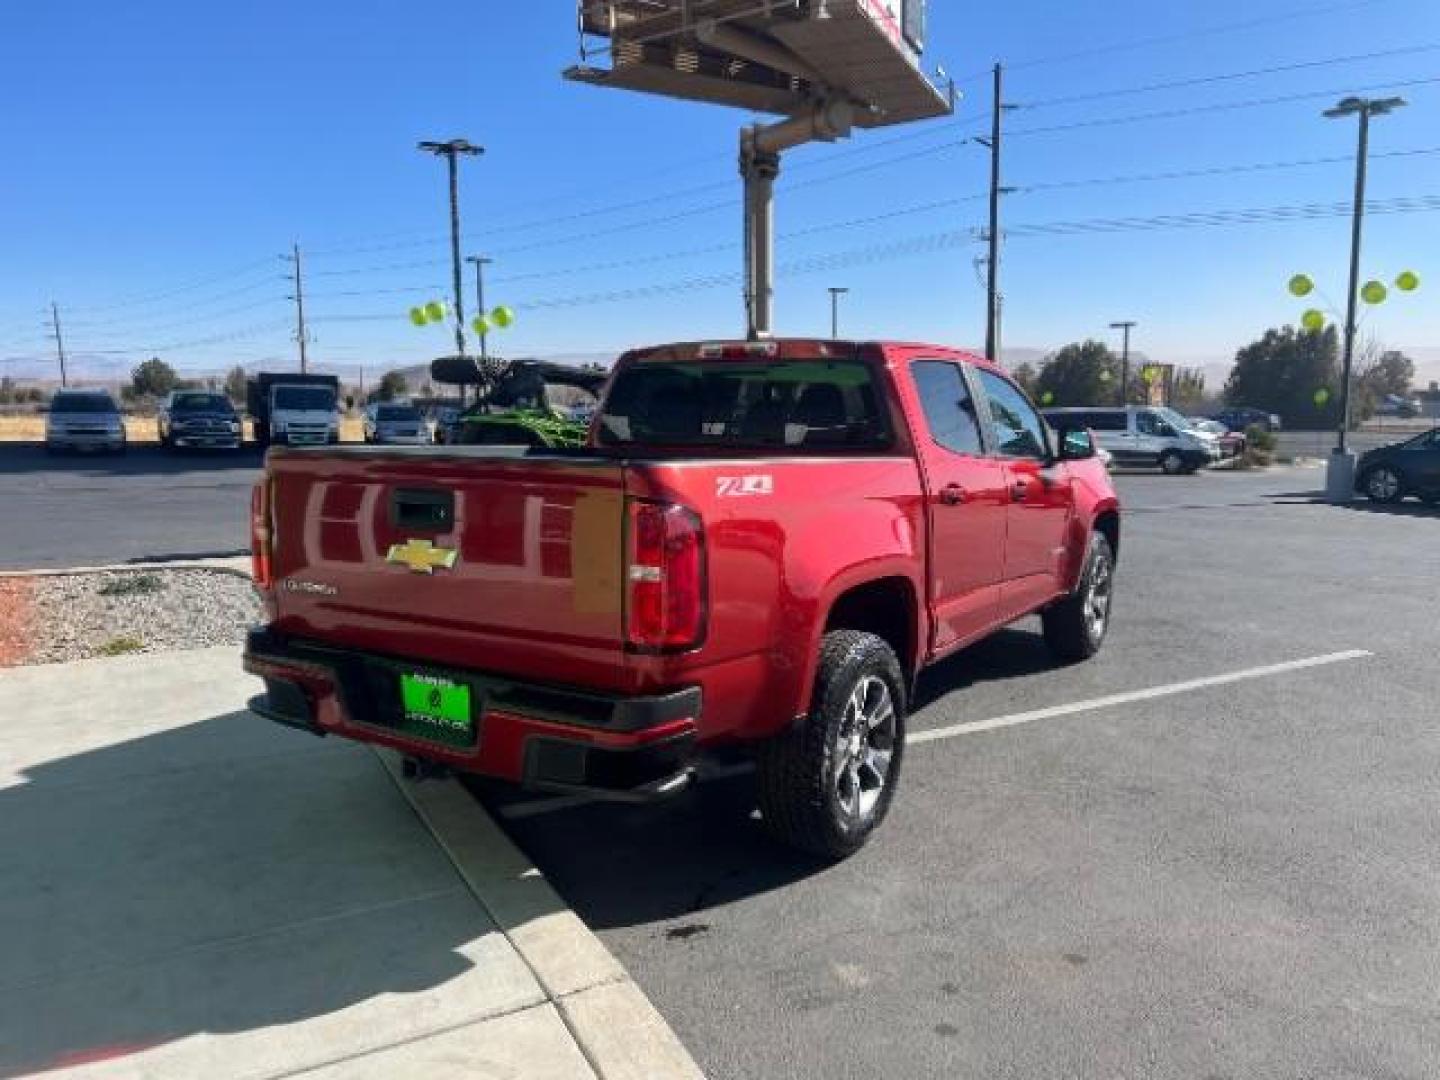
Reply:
x=1075, y=627
x=827, y=783
x=1172, y=463
x=1382, y=484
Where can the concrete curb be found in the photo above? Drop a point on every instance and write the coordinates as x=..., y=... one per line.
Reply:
x=238, y=566
x=618, y=1030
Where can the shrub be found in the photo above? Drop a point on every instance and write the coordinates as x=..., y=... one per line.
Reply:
x=133, y=585
x=121, y=645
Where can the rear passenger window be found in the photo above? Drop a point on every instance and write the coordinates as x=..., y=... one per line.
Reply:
x=949, y=408
x=1109, y=421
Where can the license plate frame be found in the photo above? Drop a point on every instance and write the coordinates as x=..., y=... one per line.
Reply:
x=437, y=708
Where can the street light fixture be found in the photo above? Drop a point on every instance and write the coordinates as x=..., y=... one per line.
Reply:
x=1340, y=476
x=452, y=151
x=835, y=293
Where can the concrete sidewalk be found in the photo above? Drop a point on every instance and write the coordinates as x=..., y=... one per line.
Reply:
x=189, y=891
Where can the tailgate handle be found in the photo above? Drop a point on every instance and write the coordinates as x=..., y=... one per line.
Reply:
x=433, y=511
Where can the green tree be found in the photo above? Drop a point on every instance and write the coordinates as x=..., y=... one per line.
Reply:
x=1025, y=376
x=1187, y=389
x=1082, y=373
x=7, y=390
x=1284, y=371
x=153, y=378
x=392, y=385
x=235, y=384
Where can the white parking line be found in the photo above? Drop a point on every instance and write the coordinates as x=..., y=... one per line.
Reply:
x=555, y=804
x=1131, y=696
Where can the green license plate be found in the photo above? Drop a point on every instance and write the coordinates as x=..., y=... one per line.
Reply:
x=436, y=709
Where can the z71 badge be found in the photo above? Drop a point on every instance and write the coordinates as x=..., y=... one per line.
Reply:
x=735, y=487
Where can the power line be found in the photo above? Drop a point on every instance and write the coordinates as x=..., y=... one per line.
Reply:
x=1225, y=106
x=1187, y=35
x=1218, y=170
x=942, y=241
x=1206, y=80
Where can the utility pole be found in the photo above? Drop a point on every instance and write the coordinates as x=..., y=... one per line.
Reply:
x=992, y=282
x=1124, y=359
x=480, y=262
x=835, y=293
x=59, y=341
x=452, y=151
x=299, y=298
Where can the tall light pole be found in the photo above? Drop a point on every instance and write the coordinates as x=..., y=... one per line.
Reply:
x=451, y=151
x=835, y=293
x=1364, y=108
x=1124, y=359
x=480, y=262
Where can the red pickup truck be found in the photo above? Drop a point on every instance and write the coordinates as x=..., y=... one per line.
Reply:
x=759, y=549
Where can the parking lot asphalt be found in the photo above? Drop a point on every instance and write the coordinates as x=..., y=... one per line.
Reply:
x=76, y=510
x=1210, y=852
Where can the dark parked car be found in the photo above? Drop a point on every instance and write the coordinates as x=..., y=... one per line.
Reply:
x=198, y=419
x=1240, y=417
x=1412, y=467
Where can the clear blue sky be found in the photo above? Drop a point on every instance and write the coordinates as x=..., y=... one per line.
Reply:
x=160, y=155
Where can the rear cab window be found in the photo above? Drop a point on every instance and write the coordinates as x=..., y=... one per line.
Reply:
x=780, y=406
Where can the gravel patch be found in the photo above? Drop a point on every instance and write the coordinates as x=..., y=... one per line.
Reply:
x=109, y=614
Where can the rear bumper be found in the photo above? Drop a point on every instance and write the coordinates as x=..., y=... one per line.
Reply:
x=86, y=441
x=541, y=736
x=206, y=442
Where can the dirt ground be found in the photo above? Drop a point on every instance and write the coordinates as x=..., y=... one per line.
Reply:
x=16, y=620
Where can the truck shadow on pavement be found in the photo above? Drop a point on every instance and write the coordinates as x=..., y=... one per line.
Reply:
x=213, y=879
x=142, y=460
x=621, y=865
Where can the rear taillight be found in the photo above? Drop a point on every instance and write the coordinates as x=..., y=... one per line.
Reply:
x=261, y=535
x=665, y=604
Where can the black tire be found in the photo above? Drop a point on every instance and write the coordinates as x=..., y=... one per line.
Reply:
x=1074, y=627
x=799, y=777
x=1379, y=489
x=1172, y=463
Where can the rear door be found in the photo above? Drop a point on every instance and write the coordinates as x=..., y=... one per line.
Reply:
x=1040, y=499
x=966, y=504
x=1425, y=472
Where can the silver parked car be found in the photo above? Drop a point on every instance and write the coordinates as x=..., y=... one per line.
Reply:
x=84, y=420
x=396, y=424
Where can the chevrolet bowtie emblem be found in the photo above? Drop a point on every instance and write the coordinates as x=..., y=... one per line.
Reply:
x=422, y=556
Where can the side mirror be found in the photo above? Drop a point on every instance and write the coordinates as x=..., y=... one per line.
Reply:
x=1076, y=444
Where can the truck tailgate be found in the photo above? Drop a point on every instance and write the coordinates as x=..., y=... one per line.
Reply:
x=473, y=557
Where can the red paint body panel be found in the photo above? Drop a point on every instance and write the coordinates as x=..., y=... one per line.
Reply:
x=538, y=588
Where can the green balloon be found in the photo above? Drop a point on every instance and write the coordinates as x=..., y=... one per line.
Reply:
x=1322, y=398
x=1047, y=398
x=480, y=325
x=435, y=311
x=1301, y=285
x=417, y=316
x=1408, y=281
x=1149, y=375
x=502, y=316
x=1374, y=292
x=1314, y=319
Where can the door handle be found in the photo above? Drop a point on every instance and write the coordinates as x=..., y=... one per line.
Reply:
x=952, y=495
x=1018, y=490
